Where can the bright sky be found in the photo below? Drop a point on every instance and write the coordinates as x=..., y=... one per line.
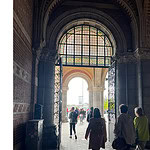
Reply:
x=78, y=87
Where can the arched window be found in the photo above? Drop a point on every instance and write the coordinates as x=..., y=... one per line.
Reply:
x=85, y=45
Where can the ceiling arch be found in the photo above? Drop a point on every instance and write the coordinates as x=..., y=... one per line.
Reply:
x=77, y=73
x=64, y=20
x=47, y=7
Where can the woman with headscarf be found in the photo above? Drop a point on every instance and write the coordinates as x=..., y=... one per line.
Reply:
x=96, y=131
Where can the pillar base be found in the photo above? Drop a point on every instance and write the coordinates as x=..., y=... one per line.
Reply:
x=65, y=119
x=50, y=139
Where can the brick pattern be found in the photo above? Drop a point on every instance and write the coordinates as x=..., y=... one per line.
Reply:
x=23, y=35
x=22, y=38
x=24, y=12
x=22, y=53
x=21, y=90
x=19, y=127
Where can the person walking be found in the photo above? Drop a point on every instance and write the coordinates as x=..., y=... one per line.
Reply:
x=124, y=127
x=142, y=129
x=73, y=121
x=90, y=114
x=96, y=131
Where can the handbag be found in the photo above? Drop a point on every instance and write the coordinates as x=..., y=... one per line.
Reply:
x=119, y=143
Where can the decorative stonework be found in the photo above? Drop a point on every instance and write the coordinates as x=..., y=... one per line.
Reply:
x=21, y=108
x=127, y=57
x=98, y=89
x=140, y=53
x=21, y=73
x=47, y=55
x=129, y=6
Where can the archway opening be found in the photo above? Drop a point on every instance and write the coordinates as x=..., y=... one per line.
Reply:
x=78, y=95
x=90, y=46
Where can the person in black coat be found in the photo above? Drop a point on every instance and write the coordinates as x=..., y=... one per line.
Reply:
x=90, y=114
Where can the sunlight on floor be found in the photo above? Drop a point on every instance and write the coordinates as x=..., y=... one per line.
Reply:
x=80, y=143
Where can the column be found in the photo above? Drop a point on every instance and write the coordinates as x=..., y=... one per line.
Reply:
x=98, y=99
x=90, y=97
x=64, y=104
x=38, y=114
x=126, y=82
x=48, y=109
x=102, y=102
x=41, y=83
x=49, y=130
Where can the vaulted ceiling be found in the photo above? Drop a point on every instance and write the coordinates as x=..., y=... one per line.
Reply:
x=126, y=13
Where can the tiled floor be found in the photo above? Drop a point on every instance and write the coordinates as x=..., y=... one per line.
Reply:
x=80, y=143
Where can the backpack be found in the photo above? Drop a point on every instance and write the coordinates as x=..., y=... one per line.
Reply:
x=74, y=116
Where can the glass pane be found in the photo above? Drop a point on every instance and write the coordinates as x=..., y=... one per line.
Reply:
x=93, y=61
x=101, y=40
x=107, y=61
x=86, y=39
x=93, y=31
x=77, y=49
x=100, y=61
x=108, y=51
x=85, y=60
x=107, y=42
x=85, y=50
x=78, y=29
x=63, y=59
x=71, y=31
x=85, y=29
x=70, y=49
x=78, y=60
x=77, y=39
x=100, y=32
x=62, y=49
x=63, y=39
x=70, y=60
x=70, y=38
x=100, y=51
x=93, y=40
x=93, y=50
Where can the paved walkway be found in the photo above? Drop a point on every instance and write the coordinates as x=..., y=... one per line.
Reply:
x=80, y=143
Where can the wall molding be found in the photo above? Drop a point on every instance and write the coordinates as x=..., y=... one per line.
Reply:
x=20, y=108
x=21, y=73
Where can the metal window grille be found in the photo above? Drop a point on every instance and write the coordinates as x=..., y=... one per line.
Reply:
x=85, y=45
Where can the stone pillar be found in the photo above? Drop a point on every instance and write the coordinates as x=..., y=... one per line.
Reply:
x=90, y=98
x=98, y=99
x=143, y=79
x=64, y=104
x=41, y=83
x=35, y=61
x=49, y=130
x=48, y=109
x=126, y=82
x=40, y=91
x=102, y=102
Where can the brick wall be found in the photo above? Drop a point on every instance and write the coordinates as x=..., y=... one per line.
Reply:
x=22, y=56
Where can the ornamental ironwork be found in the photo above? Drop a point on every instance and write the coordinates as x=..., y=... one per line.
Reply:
x=58, y=100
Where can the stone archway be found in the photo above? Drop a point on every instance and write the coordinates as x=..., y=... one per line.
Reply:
x=95, y=78
x=66, y=79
